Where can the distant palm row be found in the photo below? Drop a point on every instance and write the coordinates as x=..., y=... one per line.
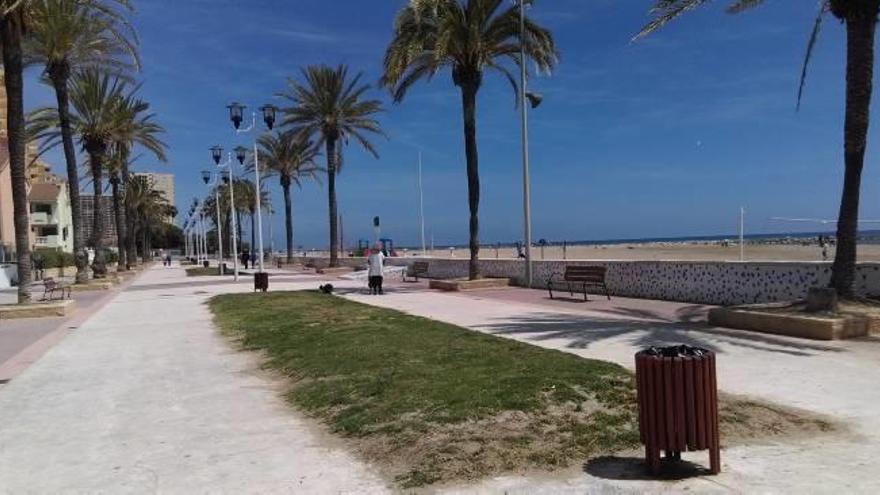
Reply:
x=88, y=51
x=328, y=108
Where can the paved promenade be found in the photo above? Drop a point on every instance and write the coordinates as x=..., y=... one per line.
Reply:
x=144, y=397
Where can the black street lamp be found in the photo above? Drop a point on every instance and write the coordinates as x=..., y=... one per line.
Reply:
x=217, y=154
x=236, y=113
x=241, y=154
x=206, y=177
x=269, y=115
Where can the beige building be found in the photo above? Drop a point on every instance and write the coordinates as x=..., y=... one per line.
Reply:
x=39, y=172
x=163, y=183
x=51, y=217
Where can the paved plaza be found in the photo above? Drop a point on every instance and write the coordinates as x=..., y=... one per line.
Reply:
x=144, y=396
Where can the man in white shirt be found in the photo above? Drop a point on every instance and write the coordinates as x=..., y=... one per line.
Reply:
x=376, y=262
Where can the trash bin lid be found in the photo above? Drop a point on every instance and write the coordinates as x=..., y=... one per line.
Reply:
x=675, y=351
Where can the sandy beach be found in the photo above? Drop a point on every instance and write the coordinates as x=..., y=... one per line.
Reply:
x=669, y=251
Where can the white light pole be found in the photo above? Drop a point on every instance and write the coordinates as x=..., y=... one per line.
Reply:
x=216, y=155
x=526, y=99
x=212, y=180
x=742, y=228
x=422, y=207
x=235, y=115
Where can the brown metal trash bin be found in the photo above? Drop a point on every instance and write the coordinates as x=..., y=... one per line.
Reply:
x=678, y=403
x=261, y=281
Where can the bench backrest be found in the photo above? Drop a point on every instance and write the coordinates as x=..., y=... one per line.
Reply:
x=585, y=273
x=420, y=267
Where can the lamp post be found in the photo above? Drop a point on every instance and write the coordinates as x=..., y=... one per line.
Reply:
x=236, y=115
x=533, y=100
x=210, y=180
x=216, y=155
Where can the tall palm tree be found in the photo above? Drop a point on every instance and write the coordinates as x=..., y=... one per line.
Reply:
x=292, y=159
x=860, y=19
x=469, y=37
x=137, y=127
x=66, y=35
x=13, y=18
x=329, y=108
x=13, y=22
x=98, y=101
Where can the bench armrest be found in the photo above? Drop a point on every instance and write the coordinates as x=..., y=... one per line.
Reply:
x=554, y=276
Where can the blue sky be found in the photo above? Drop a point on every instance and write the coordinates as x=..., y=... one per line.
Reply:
x=665, y=137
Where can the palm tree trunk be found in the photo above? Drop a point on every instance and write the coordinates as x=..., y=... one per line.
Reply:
x=860, y=30
x=10, y=36
x=288, y=218
x=331, y=200
x=253, y=233
x=144, y=251
x=60, y=74
x=469, y=108
x=238, y=226
x=99, y=265
x=130, y=237
x=122, y=213
x=120, y=223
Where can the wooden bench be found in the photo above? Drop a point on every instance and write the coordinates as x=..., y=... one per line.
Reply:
x=51, y=286
x=417, y=269
x=580, y=277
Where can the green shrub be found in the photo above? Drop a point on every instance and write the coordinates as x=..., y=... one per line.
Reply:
x=111, y=256
x=53, y=258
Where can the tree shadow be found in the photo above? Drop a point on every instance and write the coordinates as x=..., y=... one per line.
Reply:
x=644, y=328
x=635, y=469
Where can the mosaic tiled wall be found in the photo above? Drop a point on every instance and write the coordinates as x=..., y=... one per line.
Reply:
x=721, y=283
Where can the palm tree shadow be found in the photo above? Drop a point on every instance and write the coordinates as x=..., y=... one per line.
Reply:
x=643, y=328
x=635, y=469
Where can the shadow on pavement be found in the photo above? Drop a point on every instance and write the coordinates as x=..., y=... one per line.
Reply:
x=644, y=329
x=634, y=469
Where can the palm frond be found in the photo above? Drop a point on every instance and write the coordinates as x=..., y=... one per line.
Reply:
x=665, y=11
x=824, y=8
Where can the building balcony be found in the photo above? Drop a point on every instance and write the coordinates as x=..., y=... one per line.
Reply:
x=40, y=218
x=47, y=241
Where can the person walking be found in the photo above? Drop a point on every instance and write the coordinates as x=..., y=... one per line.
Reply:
x=245, y=257
x=376, y=263
x=39, y=264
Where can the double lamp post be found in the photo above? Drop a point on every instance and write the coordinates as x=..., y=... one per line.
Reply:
x=236, y=116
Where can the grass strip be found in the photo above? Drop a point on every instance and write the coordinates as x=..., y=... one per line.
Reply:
x=432, y=402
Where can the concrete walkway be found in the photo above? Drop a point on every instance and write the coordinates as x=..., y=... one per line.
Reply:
x=838, y=379
x=145, y=397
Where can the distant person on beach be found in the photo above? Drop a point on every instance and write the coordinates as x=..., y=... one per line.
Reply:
x=823, y=243
x=376, y=262
x=245, y=257
x=519, y=250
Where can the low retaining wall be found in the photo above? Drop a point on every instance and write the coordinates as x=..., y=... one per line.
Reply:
x=699, y=282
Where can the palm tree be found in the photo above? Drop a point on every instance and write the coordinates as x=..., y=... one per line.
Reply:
x=76, y=34
x=97, y=100
x=860, y=18
x=328, y=107
x=246, y=201
x=150, y=209
x=469, y=37
x=137, y=126
x=12, y=27
x=292, y=159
